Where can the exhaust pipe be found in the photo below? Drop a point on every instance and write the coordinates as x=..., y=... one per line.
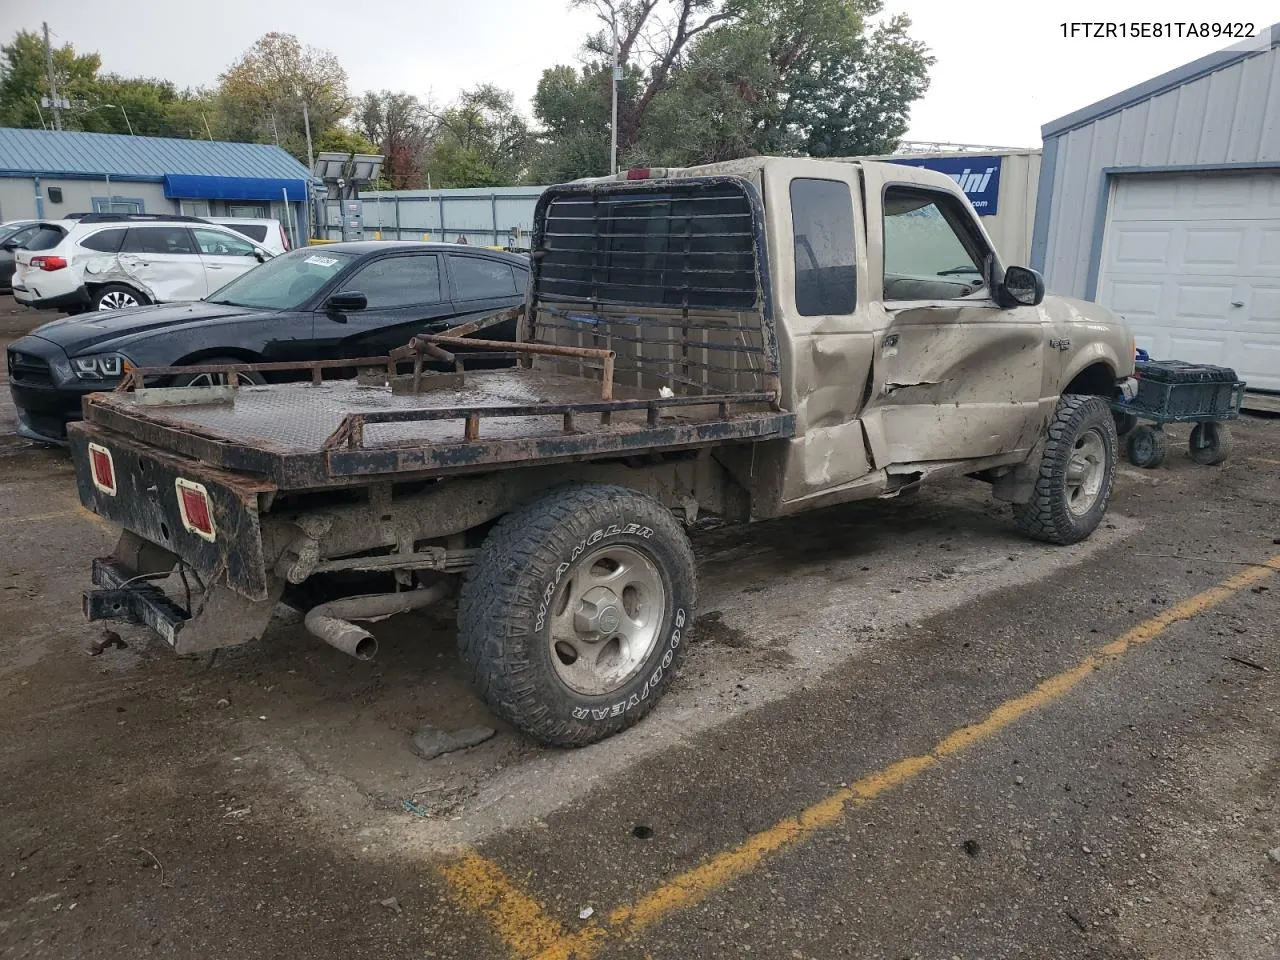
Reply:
x=331, y=622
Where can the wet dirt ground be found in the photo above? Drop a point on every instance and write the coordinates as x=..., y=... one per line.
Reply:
x=254, y=805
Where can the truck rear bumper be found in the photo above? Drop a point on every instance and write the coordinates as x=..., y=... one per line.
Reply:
x=144, y=498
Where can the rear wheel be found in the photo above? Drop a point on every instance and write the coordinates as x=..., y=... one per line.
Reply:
x=243, y=377
x=1077, y=472
x=1210, y=443
x=1147, y=447
x=577, y=612
x=116, y=296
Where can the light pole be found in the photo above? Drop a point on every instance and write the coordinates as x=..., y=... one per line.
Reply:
x=613, y=124
x=114, y=106
x=126, y=115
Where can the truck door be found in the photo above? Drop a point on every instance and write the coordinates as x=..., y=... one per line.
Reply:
x=955, y=376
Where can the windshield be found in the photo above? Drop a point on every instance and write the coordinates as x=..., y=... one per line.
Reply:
x=285, y=282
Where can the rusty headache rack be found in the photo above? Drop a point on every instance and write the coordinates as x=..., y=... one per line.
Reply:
x=300, y=439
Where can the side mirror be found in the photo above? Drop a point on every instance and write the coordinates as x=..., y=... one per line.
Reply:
x=259, y=256
x=10, y=245
x=1021, y=287
x=347, y=301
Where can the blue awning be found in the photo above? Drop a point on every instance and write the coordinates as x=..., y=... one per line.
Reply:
x=189, y=187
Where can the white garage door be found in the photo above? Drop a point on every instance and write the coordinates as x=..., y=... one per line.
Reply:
x=1193, y=263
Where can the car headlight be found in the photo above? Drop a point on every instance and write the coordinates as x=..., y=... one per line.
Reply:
x=104, y=366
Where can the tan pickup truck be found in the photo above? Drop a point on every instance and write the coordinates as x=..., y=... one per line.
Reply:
x=748, y=339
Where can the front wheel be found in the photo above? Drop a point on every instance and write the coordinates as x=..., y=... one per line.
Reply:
x=577, y=612
x=1076, y=474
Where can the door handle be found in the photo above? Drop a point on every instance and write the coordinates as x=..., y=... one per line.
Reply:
x=437, y=326
x=1237, y=303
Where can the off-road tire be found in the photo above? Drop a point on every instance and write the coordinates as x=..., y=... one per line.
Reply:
x=244, y=376
x=1047, y=515
x=1210, y=443
x=1147, y=447
x=504, y=618
x=118, y=290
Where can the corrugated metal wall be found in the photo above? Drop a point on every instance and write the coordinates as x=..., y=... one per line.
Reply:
x=483, y=215
x=1229, y=116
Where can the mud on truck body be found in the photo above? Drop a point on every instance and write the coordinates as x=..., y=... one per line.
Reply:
x=749, y=340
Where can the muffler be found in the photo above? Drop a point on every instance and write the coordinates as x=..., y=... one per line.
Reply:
x=331, y=622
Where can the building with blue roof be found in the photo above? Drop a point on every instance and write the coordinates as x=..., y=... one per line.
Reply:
x=49, y=174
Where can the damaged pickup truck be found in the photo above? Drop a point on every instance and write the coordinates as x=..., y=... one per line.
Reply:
x=747, y=339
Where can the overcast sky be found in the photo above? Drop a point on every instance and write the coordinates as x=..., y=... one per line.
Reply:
x=1003, y=67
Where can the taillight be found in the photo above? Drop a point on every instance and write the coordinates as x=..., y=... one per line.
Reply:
x=49, y=263
x=194, y=507
x=103, y=468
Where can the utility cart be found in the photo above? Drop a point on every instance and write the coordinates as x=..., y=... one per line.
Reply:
x=1171, y=391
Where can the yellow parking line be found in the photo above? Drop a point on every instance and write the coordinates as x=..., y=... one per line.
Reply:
x=480, y=885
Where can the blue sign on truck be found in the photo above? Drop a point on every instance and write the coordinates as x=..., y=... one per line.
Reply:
x=977, y=176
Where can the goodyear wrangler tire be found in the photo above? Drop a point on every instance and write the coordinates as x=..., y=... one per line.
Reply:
x=1077, y=472
x=577, y=612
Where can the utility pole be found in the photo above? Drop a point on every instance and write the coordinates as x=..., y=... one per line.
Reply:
x=306, y=122
x=205, y=121
x=53, y=80
x=613, y=124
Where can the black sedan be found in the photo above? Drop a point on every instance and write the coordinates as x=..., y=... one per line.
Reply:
x=332, y=301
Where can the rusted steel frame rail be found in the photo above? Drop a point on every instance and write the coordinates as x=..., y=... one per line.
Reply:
x=134, y=379
x=350, y=432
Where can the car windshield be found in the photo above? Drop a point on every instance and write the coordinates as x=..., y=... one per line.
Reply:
x=285, y=282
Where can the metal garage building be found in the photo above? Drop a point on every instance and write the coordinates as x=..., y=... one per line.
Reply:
x=47, y=174
x=1163, y=202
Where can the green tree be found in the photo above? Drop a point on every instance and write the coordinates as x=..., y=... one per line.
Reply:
x=481, y=140
x=343, y=139
x=24, y=80
x=261, y=95
x=708, y=80
x=402, y=127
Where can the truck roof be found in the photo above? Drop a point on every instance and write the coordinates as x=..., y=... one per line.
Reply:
x=751, y=168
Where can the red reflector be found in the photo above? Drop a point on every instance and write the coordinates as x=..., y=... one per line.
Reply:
x=638, y=173
x=193, y=504
x=104, y=469
x=49, y=263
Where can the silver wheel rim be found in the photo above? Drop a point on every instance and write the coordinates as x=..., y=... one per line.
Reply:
x=605, y=621
x=117, y=300
x=208, y=380
x=1085, y=472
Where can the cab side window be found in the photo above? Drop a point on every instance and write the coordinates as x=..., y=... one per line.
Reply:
x=822, y=234
x=928, y=252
